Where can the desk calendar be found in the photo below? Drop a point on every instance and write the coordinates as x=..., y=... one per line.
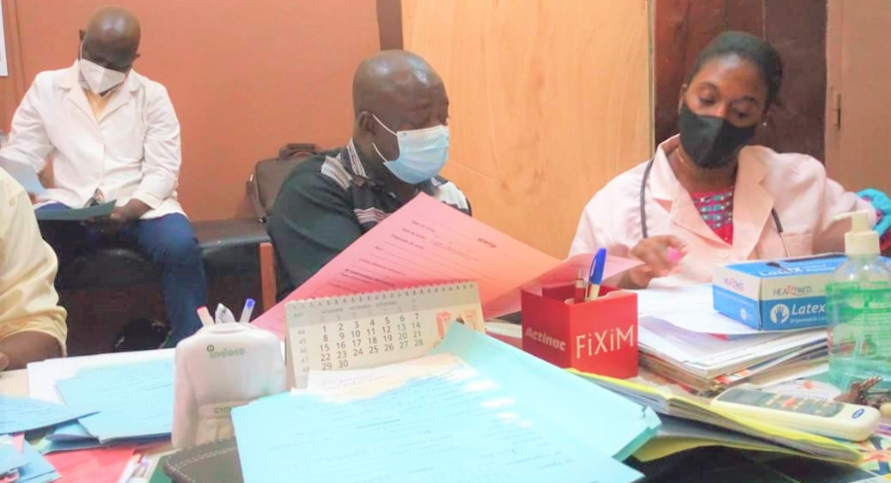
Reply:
x=367, y=330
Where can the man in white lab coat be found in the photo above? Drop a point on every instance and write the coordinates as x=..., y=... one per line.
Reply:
x=112, y=134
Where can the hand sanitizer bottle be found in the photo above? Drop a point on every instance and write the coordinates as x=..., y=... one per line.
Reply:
x=858, y=308
x=220, y=367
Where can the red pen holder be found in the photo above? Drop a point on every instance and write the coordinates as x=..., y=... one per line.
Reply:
x=598, y=336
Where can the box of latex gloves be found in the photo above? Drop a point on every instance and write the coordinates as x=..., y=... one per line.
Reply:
x=776, y=295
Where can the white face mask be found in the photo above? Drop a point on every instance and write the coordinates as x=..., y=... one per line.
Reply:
x=422, y=153
x=100, y=79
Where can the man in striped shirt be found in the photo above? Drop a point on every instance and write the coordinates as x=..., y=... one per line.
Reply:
x=399, y=144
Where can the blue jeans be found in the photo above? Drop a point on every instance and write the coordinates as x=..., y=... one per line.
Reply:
x=169, y=242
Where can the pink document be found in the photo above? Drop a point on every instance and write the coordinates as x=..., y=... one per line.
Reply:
x=18, y=440
x=100, y=465
x=427, y=242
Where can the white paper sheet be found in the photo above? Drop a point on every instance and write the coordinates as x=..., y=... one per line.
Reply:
x=42, y=376
x=24, y=174
x=708, y=355
x=689, y=308
x=372, y=381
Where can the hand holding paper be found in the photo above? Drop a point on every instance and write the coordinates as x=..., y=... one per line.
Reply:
x=84, y=214
x=427, y=242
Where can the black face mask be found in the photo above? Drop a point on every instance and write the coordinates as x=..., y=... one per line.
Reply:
x=711, y=142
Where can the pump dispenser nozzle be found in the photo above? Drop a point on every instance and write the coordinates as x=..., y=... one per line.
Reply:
x=862, y=239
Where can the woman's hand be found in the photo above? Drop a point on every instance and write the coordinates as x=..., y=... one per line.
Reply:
x=659, y=254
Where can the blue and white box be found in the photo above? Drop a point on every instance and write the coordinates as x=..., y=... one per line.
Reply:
x=776, y=294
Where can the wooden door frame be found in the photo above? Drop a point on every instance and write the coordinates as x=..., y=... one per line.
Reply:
x=834, y=88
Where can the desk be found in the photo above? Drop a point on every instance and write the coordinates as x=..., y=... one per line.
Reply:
x=713, y=464
x=15, y=383
x=698, y=466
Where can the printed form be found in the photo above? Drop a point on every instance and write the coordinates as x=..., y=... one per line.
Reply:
x=446, y=423
x=427, y=242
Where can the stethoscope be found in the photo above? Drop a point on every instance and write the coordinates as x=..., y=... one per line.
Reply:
x=643, y=208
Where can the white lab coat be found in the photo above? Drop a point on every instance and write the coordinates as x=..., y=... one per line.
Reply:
x=131, y=151
x=795, y=185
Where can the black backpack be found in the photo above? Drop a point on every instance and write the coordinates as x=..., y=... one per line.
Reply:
x=269, y=174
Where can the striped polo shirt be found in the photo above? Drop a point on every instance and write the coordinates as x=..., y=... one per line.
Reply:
x=328, y=202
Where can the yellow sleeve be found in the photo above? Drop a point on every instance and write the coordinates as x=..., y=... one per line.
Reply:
x=28, y=299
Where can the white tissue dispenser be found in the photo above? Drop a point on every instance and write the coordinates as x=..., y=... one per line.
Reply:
x=221, y=367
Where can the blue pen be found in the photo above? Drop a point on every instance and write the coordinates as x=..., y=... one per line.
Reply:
x=246, y=312
x=595, y=277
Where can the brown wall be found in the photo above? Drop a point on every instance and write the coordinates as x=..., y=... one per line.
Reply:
x=797, y=28
x=546, y=105
x=858, y=127
x=389, y=19
x=13, y=86
x=245, y=76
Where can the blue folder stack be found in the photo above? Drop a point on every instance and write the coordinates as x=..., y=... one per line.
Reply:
x=498, y=415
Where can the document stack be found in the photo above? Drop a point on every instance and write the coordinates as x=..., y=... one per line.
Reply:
x=683, y=339
x=474, y=409
x=688, y=424
x=124, y=403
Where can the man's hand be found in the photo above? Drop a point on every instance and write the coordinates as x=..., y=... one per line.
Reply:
x=121, y=215
x=4, y=362
x=653, y=252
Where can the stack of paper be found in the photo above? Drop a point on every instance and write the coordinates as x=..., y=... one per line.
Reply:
x=91, y=402
x=21, y=463
x=105, y=465
x=475, y=410
x=18, y=415
x=130, y=393
x=689, y=424
x=566, y=402
x=79, y=214
x=132, y=400
x=684, y=339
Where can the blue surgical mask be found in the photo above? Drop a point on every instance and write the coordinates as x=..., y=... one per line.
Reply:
x=422, y=153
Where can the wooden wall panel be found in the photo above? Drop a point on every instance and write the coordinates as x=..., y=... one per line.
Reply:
x=798, y=31
x=389, y=23
x=796, y=28
x=860, y=155
x=13, y=86
x=549, y=101
x=682, y=28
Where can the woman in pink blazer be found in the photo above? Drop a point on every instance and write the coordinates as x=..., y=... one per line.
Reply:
x=707, y=198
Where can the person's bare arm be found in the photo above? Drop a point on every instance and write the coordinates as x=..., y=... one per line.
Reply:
x=17, y=350
x=32, y=324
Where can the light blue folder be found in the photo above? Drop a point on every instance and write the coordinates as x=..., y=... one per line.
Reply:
x=10, y=458
x=134, y=400
x=496, y=423
x=18, y=415
x=616, y=425
x=38, y=469
x=70, y=432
